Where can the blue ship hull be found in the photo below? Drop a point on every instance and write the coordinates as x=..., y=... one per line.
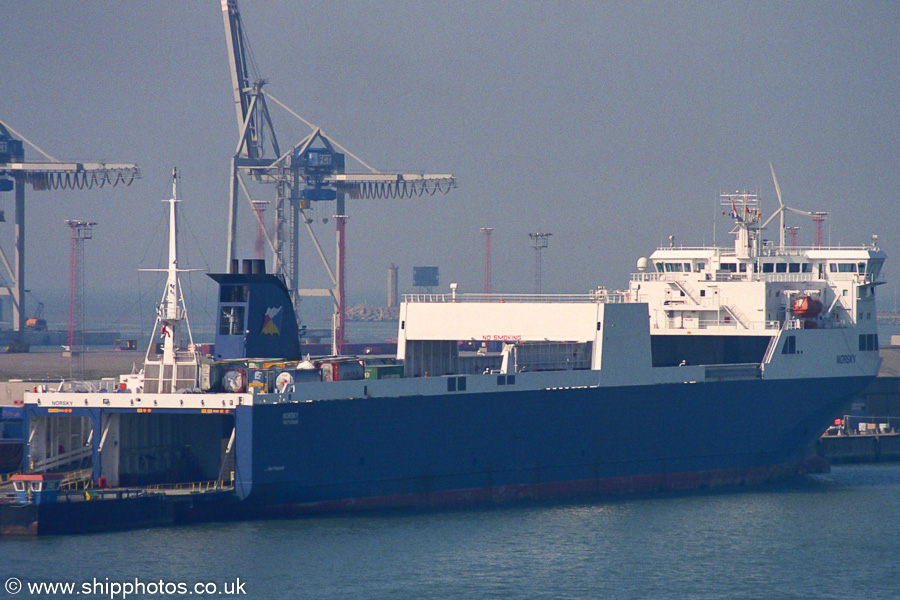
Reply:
x=435, y=450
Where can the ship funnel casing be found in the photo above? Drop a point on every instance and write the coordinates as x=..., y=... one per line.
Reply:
x=255, y=318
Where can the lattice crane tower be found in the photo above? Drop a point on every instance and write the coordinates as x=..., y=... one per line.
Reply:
x=15, y=172
x=310, y=171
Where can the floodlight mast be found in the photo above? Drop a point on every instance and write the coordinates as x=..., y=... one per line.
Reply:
x=538, y=243
x=487, y=231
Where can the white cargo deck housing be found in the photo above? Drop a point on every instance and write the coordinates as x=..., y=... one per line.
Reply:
x=557, y=332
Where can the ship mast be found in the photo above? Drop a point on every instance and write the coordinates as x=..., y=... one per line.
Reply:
x=178, y=367
x=171, y=312
x=744, y=209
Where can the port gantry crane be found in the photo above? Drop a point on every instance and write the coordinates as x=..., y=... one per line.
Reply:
x=310, y=171
x=15, y=172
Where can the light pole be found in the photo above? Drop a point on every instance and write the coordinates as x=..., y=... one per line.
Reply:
x=538, y=242
x=487, y=258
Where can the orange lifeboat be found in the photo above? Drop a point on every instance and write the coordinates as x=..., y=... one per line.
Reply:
x=806, y=307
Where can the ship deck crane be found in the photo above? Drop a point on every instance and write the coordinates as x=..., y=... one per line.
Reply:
x=310, y=171
x=15, y=172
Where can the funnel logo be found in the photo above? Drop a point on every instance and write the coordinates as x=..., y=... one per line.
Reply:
x=272, y=321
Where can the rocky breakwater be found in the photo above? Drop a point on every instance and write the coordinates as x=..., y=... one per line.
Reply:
x=365, y=312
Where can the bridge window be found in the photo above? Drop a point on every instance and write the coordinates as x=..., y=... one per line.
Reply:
x=842, y=267
x=781, y=267
x=794, y=268
x=768, y=268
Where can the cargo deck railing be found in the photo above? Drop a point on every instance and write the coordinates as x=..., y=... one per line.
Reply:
x=599, y=296
x=190, y=486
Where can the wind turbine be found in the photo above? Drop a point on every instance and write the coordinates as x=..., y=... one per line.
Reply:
x=781, y=208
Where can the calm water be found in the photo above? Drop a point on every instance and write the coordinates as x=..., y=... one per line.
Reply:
x=831, y=536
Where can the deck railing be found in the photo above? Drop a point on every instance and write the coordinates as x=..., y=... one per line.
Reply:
x=193, y=486
x=600, y=296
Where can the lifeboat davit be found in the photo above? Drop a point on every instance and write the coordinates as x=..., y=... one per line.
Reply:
x=806, y=307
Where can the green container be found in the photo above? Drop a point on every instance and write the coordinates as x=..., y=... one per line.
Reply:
x=384, y=371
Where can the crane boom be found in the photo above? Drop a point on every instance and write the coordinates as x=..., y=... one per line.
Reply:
x=240, y=76
x=311, y=171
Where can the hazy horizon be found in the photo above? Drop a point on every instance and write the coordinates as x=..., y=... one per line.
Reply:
x=610, y=125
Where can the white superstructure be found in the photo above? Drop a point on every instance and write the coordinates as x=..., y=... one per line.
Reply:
x=753, y=287
x=785, y=311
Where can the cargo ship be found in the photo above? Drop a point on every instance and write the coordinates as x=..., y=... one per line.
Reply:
x=715, y=366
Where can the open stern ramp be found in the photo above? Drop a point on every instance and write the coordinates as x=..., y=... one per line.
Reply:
x=131, y=439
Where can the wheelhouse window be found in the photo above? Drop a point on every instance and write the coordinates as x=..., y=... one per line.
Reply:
x=843, y=267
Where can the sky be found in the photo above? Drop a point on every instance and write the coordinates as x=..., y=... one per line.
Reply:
x=610, y=125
